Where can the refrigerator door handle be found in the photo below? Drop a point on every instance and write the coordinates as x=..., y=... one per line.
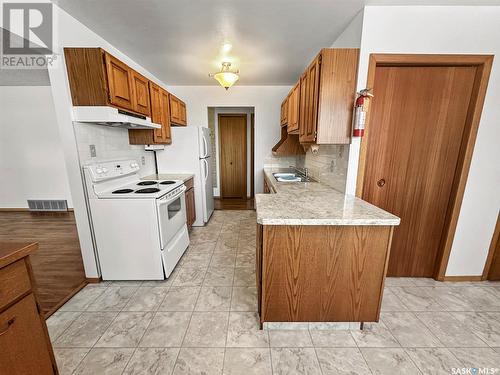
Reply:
x=206, y=169
x=205, y=147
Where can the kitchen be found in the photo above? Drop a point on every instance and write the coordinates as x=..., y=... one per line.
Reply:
x=237, y=292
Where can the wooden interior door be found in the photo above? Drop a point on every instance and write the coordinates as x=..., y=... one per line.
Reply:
x=417, y=124
x=119, y=82
x=233, y=156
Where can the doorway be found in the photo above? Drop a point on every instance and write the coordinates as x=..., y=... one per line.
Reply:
x=417, y=149
x=233, y=156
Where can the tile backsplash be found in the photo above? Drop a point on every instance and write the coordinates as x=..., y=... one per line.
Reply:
x=110, y=144
x=328, y=165
x=280, y=161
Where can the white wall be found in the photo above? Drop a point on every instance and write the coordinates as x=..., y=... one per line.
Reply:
x=71, y=33
x=470, y=30
x=110, y=143
x=248, y=112
x=351, y=36
x=266, y=101
x=31, y=157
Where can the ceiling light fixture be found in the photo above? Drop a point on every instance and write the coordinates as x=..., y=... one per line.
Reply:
x=225, y=77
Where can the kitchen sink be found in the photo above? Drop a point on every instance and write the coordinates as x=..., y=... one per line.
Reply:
x=291, y=177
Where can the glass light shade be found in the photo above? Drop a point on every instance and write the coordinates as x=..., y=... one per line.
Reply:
x=226, y=79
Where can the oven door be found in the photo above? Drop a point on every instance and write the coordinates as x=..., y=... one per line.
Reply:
x=171, y=216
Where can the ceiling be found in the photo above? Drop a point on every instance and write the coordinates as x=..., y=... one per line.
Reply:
x=180, y=41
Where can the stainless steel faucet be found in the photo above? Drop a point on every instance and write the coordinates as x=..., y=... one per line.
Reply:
x=303, y=171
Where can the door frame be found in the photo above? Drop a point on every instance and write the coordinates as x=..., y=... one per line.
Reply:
x=483, y=64
x=492, y=252
x=245, y=161
x=252, y=155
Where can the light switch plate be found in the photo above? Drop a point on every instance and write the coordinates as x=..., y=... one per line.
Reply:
x=93, y=152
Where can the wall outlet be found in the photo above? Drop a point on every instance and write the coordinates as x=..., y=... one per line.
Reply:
x=93, y=152
x=143, y=160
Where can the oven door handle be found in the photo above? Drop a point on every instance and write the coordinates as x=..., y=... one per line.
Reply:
x=163, y=201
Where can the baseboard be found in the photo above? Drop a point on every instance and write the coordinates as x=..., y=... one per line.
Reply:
x=25, y=209
x=64, y=300
x=463, y=278
x=93, y=280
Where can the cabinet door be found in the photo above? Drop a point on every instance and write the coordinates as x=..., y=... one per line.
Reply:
x=164, y=135
x=183, y=116
x=24, y=343
x=141, y=101
x=120, y=89
x=284, y=112
x=307, y=132
x=175, y=110
x=190, y=208
x=303, y=104
x=293, y=109
x=156, y=109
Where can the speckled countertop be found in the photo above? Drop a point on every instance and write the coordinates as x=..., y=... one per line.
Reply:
x=313, y=203
x=169, y=176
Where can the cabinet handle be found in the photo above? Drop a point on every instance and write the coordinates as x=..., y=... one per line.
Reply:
x=381, y=182
x=9, y=324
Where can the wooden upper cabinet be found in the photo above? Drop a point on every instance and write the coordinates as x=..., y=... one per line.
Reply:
x=284, y=112
x=319, y=107
x=337, y=93
x=156, y=106
x=309, y=102
x=120, y=83
x=141, y=94
x=160, y=114
x=164, y=135
x=293, y=104
x=177, y=111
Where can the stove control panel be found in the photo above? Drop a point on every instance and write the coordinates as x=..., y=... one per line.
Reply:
x=102, y=171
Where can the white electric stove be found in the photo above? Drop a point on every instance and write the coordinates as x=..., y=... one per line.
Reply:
x=139, y=226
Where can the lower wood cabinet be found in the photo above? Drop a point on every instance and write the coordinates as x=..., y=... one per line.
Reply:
x=24, y=340
x=315, y=273
x=190, y=205
x=268, y=188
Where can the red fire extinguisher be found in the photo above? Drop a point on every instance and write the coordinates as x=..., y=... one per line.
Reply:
x=360, y=111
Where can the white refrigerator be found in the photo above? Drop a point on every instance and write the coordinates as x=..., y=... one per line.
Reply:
x=191, y=152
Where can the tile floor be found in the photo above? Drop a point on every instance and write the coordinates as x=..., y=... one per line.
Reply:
x=203, y=320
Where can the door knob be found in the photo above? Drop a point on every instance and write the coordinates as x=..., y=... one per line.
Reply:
x=381, y=182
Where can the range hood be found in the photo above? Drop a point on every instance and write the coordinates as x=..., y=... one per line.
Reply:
x=288, y=144
x=110, y=116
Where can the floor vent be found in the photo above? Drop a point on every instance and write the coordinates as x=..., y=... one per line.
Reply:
x=48, y=205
